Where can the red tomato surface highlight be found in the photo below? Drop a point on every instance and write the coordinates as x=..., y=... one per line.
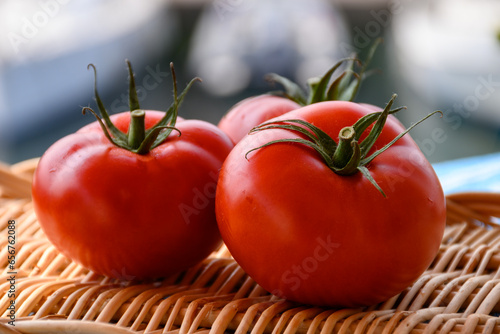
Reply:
x=308, y=234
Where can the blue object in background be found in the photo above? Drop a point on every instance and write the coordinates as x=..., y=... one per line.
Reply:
x=479, y=173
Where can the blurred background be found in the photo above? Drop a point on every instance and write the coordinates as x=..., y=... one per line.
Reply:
x=440, y=54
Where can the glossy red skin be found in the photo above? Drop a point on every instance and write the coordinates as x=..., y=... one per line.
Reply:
x=252, y=111
x=118, y=213
x=307, y=234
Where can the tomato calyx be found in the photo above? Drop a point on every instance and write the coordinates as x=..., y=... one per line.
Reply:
x=138, y=139
x=350, y=154
x=343, y=88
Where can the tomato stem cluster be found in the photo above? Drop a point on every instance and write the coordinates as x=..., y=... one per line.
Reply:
x=343, y=88
x=350, y=154
x=138, y=139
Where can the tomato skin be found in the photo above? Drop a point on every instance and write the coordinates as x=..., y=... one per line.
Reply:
x=132, y=216
x=252, y=111
x=307, y=234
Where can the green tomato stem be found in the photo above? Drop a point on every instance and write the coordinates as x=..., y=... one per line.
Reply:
x=329, y=86
x=138, y=139
x=137, y=128
x=344, y=151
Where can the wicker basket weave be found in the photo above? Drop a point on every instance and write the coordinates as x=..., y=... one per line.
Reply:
x=460, y=293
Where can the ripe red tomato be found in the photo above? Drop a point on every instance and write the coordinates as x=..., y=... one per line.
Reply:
x=129, y=215
x=309, y=234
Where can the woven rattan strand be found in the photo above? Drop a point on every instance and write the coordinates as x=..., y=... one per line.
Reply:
x=459, y=293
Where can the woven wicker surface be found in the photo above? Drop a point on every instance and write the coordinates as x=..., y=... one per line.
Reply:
x=460, y=293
